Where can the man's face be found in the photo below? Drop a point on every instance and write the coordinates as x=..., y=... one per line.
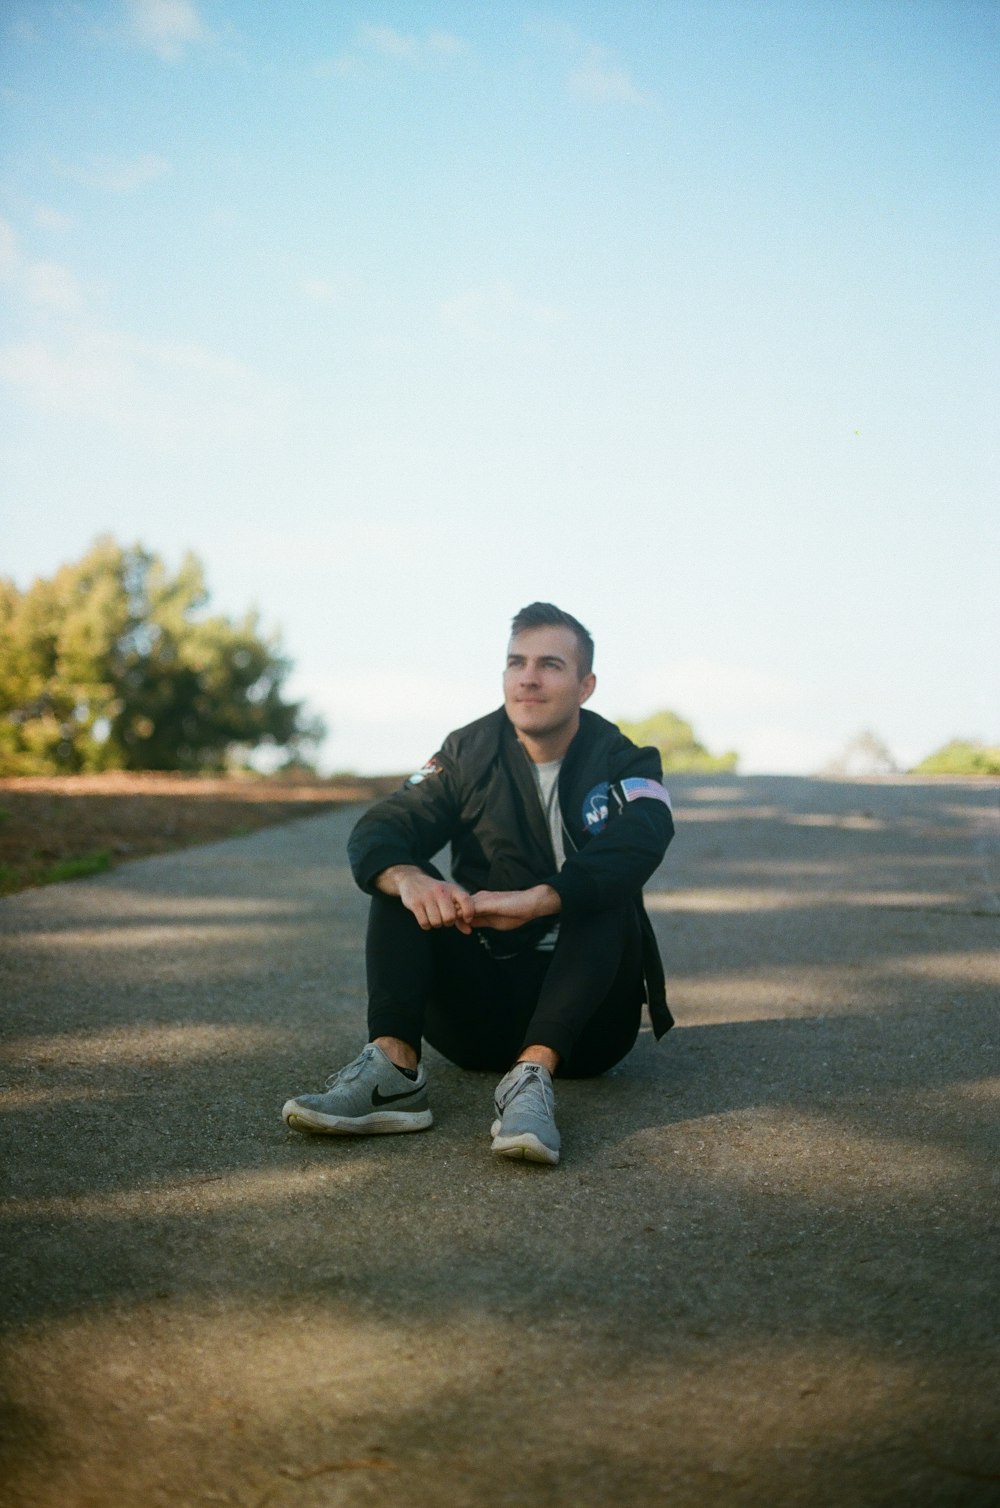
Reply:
x=543, y=690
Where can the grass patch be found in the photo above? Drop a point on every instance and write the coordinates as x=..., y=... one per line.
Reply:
x=10, y=879
x=77, y=869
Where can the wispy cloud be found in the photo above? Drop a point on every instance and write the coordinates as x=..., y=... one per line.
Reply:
x=166, y=27
x=160, y=391
x=9, y=255
x=117, y=175
x=434, y=49
x=47, y=218
x=599, y=78
x=70, y=363
x=324, y=290
x=437, y=46
x=498, y=315
x=594, y=73
x=38, y=285
x=53, y=286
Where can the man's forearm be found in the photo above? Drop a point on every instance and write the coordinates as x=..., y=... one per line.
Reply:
x=390, y=880
x=544, y=900
x=506, y=909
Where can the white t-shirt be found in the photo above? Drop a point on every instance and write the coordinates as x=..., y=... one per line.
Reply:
x=547, y=783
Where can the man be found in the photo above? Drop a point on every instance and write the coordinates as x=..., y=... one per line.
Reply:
x=538, y=951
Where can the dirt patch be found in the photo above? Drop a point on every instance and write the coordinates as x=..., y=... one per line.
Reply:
x=61, y=827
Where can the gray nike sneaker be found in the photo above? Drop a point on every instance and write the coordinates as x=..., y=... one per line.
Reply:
x=526, y=1123
x=367, y=1097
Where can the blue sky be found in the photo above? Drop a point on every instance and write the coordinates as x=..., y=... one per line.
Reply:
x=682, y=315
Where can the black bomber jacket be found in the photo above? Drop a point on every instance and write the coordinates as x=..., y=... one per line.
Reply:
x=478, y=794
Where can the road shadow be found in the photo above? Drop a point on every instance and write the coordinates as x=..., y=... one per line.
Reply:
x=794, y=1187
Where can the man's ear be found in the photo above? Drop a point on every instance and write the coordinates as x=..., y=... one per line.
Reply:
x=587, y=687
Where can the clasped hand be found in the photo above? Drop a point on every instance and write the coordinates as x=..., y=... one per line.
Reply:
x=442, y=903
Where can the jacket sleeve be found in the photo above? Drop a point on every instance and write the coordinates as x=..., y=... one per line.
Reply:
x=408, y=827
x=617, y=862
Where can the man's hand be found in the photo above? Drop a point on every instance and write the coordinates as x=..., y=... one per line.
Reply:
x=434, y=903
x=506, y=909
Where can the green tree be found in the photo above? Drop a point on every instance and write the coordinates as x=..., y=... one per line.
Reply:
x=679, y=750
x=962, y=756
x=115, y=664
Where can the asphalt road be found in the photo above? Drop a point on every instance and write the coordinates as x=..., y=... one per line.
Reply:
x=762, y=1275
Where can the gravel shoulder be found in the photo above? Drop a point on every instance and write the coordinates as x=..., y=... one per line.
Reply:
x=764, y=1274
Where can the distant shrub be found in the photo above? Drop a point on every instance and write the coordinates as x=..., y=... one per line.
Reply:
x=962, y=756
x=679, y=749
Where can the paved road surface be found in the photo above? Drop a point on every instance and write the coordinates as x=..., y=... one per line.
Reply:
x=761, y=1276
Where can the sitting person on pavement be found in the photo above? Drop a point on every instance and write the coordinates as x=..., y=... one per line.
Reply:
x=534, y=959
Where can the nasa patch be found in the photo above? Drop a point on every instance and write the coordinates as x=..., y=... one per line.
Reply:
x=595, y=808
x=430, y=768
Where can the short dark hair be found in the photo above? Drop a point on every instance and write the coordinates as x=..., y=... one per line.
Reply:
x=547, y=615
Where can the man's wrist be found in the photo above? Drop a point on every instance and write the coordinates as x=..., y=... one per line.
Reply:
x=388, y=881
x=547, y=901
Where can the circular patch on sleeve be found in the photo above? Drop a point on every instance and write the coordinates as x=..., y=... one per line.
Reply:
x=595, y=808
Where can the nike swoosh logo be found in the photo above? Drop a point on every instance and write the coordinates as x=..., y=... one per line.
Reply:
x=387, y=1099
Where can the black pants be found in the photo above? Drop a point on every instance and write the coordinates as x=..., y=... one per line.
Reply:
x=583, y=998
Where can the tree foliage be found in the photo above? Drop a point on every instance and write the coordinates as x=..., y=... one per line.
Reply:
x=115, y=664
x=962, y=756
x=679, y=750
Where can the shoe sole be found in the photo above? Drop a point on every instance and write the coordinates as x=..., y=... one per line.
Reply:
x=382, y=1123
x=526, y=1147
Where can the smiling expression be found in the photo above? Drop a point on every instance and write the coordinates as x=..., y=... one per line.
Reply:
x=543, y=690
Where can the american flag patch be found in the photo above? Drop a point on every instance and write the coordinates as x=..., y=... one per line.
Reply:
x=637, y=787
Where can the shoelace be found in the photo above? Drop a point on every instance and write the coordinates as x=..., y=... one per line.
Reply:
x=531, y=1083
x=349, y=1071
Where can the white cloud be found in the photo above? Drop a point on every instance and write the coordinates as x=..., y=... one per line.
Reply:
x=346, y=66
x=52, y=285
x=320, y=290
x=497, y=315
x=52, y=219
x=9, y=257
x=598, y=78
x=48, y=285
x=166, y=27
x=595, y=74
x=117, y=175
x=437, y=47
x=157, y=391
